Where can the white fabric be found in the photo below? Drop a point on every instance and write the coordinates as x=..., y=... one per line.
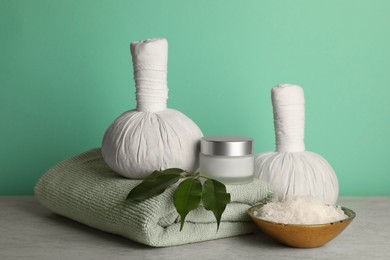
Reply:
x=151, y=137
x=291, y=170
x=150, y=61
x=298, y=174
x=289, y=117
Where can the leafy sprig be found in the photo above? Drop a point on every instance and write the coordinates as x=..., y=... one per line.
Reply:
x=189, y=194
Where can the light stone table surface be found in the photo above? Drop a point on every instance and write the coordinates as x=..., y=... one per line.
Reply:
x=29, y=231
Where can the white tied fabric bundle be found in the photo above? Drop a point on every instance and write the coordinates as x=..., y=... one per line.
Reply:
x=151, y=137
x=291, y=170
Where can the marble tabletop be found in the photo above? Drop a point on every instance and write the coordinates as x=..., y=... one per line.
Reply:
x=29, y=231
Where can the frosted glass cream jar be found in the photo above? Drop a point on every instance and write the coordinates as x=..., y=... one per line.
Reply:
x=228, y=159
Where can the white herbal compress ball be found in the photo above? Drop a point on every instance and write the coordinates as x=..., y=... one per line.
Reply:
x=151, y=137
x=291, y=170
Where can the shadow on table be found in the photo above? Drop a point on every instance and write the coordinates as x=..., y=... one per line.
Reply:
x=260, y=240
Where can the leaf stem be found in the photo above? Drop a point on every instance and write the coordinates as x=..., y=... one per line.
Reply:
x=204, y=177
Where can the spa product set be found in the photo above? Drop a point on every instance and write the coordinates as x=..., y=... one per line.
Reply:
x=152, y=143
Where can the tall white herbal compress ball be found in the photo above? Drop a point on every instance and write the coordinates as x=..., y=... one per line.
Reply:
x=291, y=170
x=151, y=137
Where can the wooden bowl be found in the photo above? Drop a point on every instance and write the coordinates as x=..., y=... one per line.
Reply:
x=302, y=236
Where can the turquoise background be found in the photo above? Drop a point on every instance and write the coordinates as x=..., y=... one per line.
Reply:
x=66, y=74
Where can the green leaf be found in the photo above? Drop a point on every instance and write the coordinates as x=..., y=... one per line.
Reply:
x=215, y=198
x=170, y=171
x=155, y=184
x=187, y=197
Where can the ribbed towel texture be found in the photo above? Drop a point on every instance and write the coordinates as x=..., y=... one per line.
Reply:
x=85, y=189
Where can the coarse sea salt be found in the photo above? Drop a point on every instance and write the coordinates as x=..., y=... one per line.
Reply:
x=300, y=210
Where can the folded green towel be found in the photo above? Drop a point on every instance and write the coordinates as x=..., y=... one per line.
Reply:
x=85, y=189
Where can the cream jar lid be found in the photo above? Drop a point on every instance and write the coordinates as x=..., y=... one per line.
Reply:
x=226, y=145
